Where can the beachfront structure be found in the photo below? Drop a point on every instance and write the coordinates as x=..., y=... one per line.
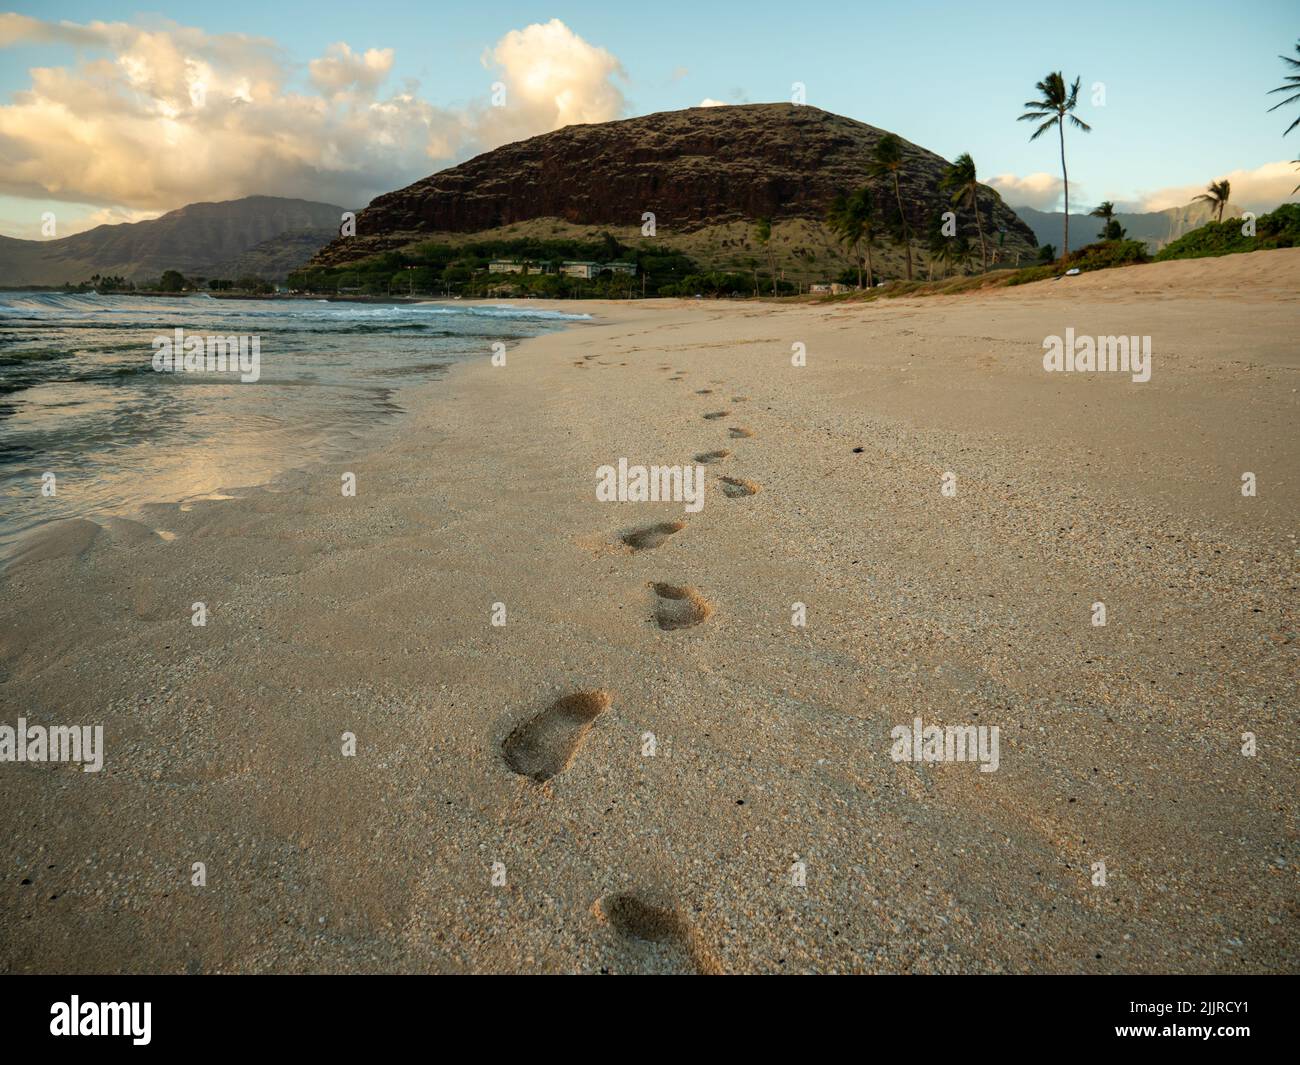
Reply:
x=579, y=268
x=587, y=270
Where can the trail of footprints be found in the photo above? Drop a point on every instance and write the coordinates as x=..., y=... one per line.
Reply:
x=547, y=743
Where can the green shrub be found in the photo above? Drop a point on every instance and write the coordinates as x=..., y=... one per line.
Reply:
x=1110, y=253
x=1278, y=229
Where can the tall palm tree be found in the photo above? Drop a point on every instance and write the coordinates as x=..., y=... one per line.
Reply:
x=1290, y=84
x=1216, y=195
x=1052, y=108
x=887, y=162
x=959, y=179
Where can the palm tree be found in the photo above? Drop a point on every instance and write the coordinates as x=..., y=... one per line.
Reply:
x=1216, y=195
x=850, y=219
x=1052, y=109
x=1105, y=212
x=959, y=179
x=1291, y=84
x=887, y=162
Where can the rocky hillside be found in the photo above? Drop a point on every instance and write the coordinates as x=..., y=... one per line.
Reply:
x=203, y=239
x=706, y=173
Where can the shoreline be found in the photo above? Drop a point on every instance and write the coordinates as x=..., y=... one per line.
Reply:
x=21, y=534
x=374, y=616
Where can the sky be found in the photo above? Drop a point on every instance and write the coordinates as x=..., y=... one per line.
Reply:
x=117, y=112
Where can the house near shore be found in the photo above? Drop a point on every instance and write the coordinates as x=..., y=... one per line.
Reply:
x=588, y=270
x=579, y=268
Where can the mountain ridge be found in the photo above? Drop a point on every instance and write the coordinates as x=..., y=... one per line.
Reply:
x=1156, y=228
x=200, y=239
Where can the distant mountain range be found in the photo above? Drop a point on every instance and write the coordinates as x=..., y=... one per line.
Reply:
x=1157, y=228
x=266, y=236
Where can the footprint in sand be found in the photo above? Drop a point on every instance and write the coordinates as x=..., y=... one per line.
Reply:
x=707, y=457
x=737, y=488
x=679, y=608
x=704, y=391
x=739, y=399
x=546, y=743
x=656, y=931
x=739, y=432
x=651, y=536
x=713, y=416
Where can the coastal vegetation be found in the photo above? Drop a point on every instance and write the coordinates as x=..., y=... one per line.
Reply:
x=170, y=283
x=1277, y=229
x=434, y=268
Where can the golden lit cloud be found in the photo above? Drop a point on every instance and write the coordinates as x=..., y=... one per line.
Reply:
x=154, y=118
x=552, y=78
x=1041, y=191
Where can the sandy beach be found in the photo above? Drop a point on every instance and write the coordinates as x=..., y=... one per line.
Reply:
x=503, y=811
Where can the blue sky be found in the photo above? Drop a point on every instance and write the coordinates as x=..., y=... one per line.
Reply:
x=1185, y=83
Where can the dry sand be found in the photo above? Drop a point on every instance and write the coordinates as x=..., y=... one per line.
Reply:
x=524, y=744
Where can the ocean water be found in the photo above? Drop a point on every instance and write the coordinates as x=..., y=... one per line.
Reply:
x=80, y=398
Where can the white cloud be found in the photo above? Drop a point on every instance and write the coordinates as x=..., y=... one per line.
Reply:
x=1041, y=191
x=152, y=119
x=553, y=78
x=1260, y=190
x=709, y=101
x=341, y=69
